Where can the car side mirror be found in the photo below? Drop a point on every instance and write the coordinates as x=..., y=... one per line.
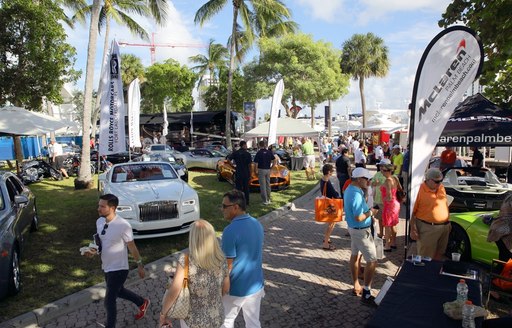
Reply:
x=21, y=200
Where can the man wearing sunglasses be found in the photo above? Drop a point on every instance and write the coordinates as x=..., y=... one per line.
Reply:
x=242, y=243
x=116, y=237
x=430, y=225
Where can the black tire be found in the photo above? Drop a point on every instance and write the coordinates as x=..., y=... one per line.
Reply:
x=14, y=282
x=55, y=174
x=34, y=226
x=458, y=242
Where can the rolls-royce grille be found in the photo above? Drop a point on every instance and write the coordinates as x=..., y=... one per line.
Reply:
x=162, y=210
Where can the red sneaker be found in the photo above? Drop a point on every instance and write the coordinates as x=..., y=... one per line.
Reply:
x=143, y=309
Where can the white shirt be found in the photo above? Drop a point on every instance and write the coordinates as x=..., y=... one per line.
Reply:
x=379, y=153
x=55, y=149
x=114, y=254
x=355, y=146
x=359, y=156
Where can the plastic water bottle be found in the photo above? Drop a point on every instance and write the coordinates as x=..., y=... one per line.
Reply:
x=468, y=315
x=462, y=291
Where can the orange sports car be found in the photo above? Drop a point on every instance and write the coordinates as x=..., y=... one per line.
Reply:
x=279, y=175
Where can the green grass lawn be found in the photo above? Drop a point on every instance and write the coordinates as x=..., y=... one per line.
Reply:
x=51, y=263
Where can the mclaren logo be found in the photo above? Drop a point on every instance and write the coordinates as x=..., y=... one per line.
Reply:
x=450, y=73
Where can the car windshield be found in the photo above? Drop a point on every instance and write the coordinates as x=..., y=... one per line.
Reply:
x=143, y=172
x=471, y=177
x=157, y=147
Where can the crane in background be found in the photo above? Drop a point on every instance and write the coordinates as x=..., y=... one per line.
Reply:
x=152, y=46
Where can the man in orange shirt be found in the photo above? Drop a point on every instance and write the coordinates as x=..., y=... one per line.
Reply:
x=448, y=158
x=430, y=226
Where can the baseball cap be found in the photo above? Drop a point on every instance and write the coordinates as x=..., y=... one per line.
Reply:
x=384, y=161
x=361, y=172
x=396, y=147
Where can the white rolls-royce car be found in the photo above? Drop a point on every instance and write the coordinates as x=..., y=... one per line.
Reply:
x=152, y=198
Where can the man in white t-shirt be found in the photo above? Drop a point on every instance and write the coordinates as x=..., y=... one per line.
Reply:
x=57, y=157
x=114, y=238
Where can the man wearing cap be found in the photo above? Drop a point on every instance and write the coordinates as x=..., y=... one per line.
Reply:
x=430, y=226
x=359, y=220
x=397, y=158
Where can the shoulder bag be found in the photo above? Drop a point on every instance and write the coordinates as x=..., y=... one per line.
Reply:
x=181, y=307
x=328, y=209
x=401, y=195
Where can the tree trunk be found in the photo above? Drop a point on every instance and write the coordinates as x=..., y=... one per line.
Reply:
x=230, y=76
x=312, y=117
x=18, y=152
x=84, y=180
x=363, y=103
x=329, y=115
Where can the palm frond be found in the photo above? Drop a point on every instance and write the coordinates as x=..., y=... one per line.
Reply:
x=208, y=10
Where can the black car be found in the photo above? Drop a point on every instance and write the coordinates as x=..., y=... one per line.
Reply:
x=18, y=216
x=474, y=189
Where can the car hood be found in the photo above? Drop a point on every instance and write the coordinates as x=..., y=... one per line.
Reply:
x=145, y=191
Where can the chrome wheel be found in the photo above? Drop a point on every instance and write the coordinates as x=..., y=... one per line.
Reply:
x=15, y=274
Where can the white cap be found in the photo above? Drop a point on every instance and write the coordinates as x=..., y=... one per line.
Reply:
x=384, y=161
x=361, y=172
x=396, y=147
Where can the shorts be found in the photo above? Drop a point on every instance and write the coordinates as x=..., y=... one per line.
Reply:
x=309, y=161
x=361, y=240
x=59, y=162
x=433, y=239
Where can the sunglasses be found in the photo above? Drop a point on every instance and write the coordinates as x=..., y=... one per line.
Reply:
x=224, y=206
x=104, y=231
x=386, y=170
x=437, y=181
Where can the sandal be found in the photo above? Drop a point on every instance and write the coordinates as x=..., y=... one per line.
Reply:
x=330, y=248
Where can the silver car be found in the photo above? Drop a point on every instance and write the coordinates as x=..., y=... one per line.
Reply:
x=152, y=198
x=164, y=150
x=18, y=216
x=203, y=158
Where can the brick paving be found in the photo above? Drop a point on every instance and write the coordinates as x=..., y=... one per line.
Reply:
x=305, y=285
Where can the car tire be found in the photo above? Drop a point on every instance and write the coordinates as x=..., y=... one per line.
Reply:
x=56, y=175
x=458, y=242
x=14, y=282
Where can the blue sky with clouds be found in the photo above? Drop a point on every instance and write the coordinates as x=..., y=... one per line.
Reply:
x=406, y=26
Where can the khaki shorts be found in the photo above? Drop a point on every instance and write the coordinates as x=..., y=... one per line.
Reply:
x=361, y=240
x=309, y=161
x=433, y=239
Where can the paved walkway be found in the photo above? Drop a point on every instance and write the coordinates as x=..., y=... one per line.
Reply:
x=305, y=286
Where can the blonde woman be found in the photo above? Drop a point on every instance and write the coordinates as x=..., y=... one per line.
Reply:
x=208, y=280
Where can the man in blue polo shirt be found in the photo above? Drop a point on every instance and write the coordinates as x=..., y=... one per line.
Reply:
x=242, y=243
x=359, y=220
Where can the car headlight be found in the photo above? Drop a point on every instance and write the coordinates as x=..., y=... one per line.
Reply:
x=284, y=173
x=189, y=202
x=124, y=208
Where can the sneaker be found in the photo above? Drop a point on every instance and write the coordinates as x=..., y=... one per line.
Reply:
x=367, y=298
x=143, y=309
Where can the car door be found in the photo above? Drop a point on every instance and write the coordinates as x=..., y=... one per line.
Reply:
x=22, y=212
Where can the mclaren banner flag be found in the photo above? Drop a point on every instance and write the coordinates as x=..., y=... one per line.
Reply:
x=112, y=111
x=451, y=62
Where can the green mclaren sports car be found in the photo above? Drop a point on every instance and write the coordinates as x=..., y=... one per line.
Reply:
x=469, y=236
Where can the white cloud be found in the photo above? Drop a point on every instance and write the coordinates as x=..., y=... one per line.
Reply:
x=326, y=10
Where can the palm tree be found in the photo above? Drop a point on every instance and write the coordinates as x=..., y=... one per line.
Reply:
x=121, y=11
x=215, y=58
x=247, y=10
x=364, y=56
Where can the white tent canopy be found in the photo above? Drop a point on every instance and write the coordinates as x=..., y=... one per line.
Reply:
x=19, y=121
x=286, y=127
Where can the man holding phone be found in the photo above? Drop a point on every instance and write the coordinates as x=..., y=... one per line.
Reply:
x=359, y=218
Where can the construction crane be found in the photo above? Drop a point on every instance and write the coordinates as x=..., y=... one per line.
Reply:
x=152, y=46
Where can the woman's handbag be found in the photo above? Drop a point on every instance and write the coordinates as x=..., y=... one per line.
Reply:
x=328, y=209
x=401, y=195
x=181, y=307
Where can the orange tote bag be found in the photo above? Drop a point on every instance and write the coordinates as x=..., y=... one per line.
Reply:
x=328, y=209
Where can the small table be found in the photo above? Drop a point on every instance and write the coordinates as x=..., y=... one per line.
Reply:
x=417, y=296
x=297, y=163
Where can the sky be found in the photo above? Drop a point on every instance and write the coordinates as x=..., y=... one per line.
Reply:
x=406, y=26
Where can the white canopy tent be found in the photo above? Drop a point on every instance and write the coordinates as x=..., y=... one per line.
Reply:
x=286, y=127
x=19, y=121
